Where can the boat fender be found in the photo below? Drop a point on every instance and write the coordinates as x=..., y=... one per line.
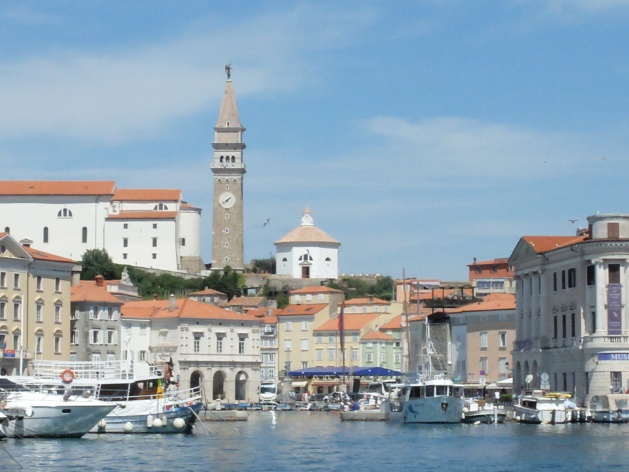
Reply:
x=476, y=423
x=164, y=420
x=518, y=418
x=157, y=423
x=179, y=423
x=128, y=427
x=149, y=421
x=102, y=424
x=67, y=376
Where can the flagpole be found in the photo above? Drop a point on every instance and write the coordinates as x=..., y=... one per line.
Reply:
x=342, y=338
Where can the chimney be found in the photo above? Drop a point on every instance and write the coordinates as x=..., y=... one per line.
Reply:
x=26, y=242
x=99, y=280
x=172, y=302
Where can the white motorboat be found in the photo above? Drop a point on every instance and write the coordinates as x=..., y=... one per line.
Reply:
x=612, y=408
x=539, y=407
x=475, y=411
x=49, y=415
x=145, y=404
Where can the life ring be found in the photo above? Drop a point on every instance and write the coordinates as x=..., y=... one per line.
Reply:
x=67, y=376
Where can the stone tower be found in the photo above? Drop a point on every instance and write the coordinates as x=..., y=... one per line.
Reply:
x=228, y=169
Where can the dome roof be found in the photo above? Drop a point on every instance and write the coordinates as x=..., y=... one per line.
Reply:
x=307, y=232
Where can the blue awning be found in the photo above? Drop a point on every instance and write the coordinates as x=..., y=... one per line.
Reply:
x=349, y=371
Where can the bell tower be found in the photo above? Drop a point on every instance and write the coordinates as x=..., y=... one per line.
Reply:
x=228, y=169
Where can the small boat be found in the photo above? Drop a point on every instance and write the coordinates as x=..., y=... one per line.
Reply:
x=26, y=414
x=481, y=412
x=434, y=400
x=144, y=404
x=539, y=407
x=612, y=408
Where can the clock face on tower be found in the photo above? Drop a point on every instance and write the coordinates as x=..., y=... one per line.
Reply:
x=227, y=199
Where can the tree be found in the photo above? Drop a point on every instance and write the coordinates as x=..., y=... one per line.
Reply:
x=97, y=262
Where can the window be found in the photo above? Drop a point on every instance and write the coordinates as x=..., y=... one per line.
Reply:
x=39, y=343
x=304, y=344
x=615, y=381
x=3, y=279
x=45, y=236
x=16, y=281
x=39, y=313
x=219, y=342
x=84, y=234
x=74, y=337
x=383, y=357
x=17, y=341
x=57, y=344
x=304, y=364
x=369, y=357
x=160, y=207
x=154, y=242
x=196, y=344
x=154, y=225
x=354, y=338
x=182, y=241
x=125, y=242
x=57, y=285
x=125, y=226
x=124, y=255
x=319, y=354
x=39, y=283
x=563, y=325
x=555, y=327
x=3, y=310
x=591, y=275
x=330, y=354
x=142, y=356
x=331, y=339
x=319, y=338
x=112, y=336
x=554, y=281
x=288, y=344
x=16, y=311
x=154, y=255
x=503, y=339
x=483, y=364
x=563, y=280
x=64, y=213
x=614, y=273
x=354, y=354
x=483, y=340
x=288, y=326
x=241, y=344
x=304, y=326
x=95, y=336
x=572, y=278
x=573, y=325
x=613, y=231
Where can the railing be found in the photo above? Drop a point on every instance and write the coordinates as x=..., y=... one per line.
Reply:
x=601, y=340
x=90, y=370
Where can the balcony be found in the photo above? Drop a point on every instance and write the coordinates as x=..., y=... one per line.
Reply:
x=599, y=341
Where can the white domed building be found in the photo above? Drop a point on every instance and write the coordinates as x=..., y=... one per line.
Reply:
x=307, y=252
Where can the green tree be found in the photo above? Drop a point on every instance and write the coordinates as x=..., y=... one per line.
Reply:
x=97, y=262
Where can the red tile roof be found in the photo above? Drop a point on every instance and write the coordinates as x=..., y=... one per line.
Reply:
x=58, y=187
x=542, y=244
x=88, y=291
x=315, y=289
x=207, y=291
x=144, y=215
x=376, y=335
x=395, y=323
x=302, y=310
x=147, y=195
x=184, y=308
x=492, y=302
x=366, y=301
x=44, y=256
x=351, y=322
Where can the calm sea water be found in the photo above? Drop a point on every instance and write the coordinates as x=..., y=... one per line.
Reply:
x=312, y=441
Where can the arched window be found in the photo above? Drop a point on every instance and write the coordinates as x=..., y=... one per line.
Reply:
x=64, y=213
x=233, y=158
x=183, y=241
x=221, y=158
x=160, y=207
x=7, y=229
x=84, y=234
x=45, y=234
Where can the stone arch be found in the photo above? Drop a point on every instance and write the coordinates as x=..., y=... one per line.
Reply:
x=196, y=379
x=218, y=385
x=241, y=385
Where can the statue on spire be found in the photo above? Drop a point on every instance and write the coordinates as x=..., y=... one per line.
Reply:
x=228, y=71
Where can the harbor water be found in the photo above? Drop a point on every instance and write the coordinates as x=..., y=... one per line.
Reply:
x=277, y=441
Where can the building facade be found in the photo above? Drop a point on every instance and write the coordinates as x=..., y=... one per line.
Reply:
x=494, y=276
x=149, y=228
x=34, y=305
x=572, y=331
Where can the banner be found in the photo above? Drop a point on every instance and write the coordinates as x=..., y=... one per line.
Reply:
x=614, y=310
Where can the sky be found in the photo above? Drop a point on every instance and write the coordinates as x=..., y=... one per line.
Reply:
x=420, y=133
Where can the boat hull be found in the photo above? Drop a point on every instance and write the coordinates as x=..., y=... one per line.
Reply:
x=54, y=421
x=484, y=416
x=445, y=409
x=609, y=416
x=529, y=415
x=138, y=418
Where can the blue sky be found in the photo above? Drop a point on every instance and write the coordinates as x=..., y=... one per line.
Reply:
x=420, y=133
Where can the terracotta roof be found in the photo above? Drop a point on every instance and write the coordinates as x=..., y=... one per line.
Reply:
x=315, y=289
x=542, y=244
x=492, y=302
x=185, y=308
x=351, y=322
x=144, y=215
x=499, y=260
x=187, y=206
x=395, y=323
x=247, y=301
x=57, y=187
x=376, y=335
x=44, y=256
x=88, y=291
x=307, y=234
x=302, y=310
x=207, y=291
x=264, y=315
x=147, y=195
